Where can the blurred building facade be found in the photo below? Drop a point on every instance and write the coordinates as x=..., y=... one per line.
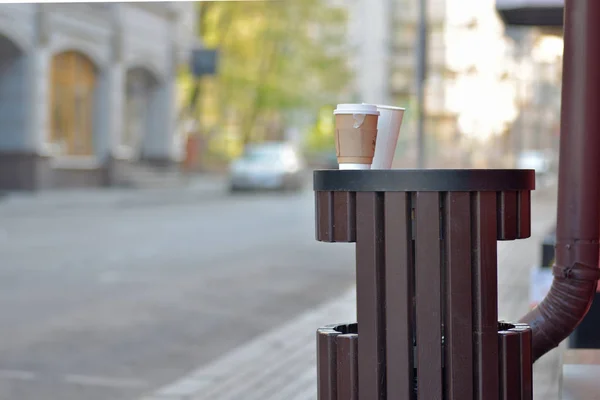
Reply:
x=538, y=78
x=473, y=81
x=370, y=32
x=87, y=91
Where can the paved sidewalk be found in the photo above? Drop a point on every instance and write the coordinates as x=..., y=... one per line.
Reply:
x=281, y=364
x=278, y=365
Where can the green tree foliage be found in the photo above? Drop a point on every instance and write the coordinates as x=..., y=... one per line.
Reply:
x=321, y=136
x=275, y=57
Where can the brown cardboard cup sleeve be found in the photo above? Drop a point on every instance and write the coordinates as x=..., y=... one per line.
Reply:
x=355, y=145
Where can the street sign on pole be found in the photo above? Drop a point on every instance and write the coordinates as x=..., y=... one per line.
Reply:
x=529, y=3
x=531, y=12
x=204, y=62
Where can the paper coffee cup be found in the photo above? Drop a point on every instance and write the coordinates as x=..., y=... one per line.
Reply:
x=388, y=130
x=355, y=135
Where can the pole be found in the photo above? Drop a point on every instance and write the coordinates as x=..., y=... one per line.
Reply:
x=420, y=83
x=521, y=89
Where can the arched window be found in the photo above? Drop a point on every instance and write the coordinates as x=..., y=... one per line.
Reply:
x=72, y=104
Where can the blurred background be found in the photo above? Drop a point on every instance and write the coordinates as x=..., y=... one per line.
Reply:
x=156, y=212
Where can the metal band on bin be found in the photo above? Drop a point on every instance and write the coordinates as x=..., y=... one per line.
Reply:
x=402, y=180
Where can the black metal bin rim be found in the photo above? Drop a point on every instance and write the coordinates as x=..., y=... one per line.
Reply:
x=424, y=180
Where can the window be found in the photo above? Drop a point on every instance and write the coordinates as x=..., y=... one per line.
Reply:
x=140, y=91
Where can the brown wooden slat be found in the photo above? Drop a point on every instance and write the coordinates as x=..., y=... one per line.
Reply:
x=324, y=216
x=370, y=293
x=428, y=297
x=507, y=215
x=327, y=364
x=524, y=205
x=458, y=314
x=485, y=292
x=526, y=354
x=509, y=345
x=344, y=216
x=347, y=368
x=399, y=278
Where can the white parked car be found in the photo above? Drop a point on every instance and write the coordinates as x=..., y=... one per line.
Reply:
x=540, y=161
x=270, y=165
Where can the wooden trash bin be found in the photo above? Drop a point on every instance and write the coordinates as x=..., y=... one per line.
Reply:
x=426, y=280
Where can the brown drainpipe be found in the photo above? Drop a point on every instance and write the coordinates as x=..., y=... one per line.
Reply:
x=578, y=224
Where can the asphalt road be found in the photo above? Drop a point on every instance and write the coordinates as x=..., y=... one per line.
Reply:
x=108, y=303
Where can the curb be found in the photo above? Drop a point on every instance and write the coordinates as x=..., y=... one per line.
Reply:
x=98, y=198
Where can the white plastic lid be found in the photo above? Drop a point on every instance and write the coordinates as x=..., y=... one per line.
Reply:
x=386, y=107
x=391, y=108
x=366, y=109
